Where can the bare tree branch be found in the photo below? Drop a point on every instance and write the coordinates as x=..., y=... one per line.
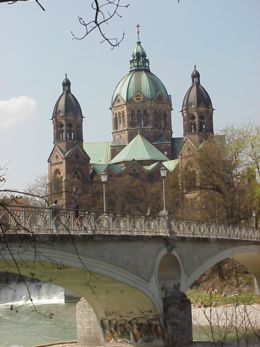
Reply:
x=103, y=14
x=11, y=2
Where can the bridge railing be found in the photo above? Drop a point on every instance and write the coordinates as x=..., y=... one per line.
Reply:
x=198, y=229
x=47, y=221
x=30, y=220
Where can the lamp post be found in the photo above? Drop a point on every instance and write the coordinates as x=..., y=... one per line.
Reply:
x=163, y=173
x=103, y=177
x=254, y=219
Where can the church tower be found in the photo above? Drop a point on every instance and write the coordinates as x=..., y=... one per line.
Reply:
x=197, y=111
x=68, y=162
x=141, y=105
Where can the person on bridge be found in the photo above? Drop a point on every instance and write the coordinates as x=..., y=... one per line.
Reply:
x=55, y=214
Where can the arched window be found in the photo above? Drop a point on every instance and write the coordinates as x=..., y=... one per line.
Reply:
x=139, y=119
x=123, y=119
x=61, y=131
x=119, y=120
x=76, y=181
x=76, y=174
x=70, y=132
x=202, y=124
x=116, y=122
x=192, y=124
x=145, y=118
x=132, y=119
x=57, y=182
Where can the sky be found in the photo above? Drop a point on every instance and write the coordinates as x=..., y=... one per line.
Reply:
x=220, y=37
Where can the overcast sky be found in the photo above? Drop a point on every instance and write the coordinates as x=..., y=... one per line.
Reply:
x=221, y=37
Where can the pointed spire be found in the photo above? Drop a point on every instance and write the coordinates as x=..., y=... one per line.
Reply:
x=195, y=76
x=140, y=60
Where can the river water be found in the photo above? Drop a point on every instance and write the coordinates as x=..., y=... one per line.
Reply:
x=50, y=320
x=23, y=327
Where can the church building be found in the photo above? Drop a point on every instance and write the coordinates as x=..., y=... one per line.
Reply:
x=142, y=136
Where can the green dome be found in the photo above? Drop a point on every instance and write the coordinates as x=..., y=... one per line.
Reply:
x=140, y=80
x=144, y=82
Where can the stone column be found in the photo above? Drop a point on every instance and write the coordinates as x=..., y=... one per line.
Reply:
x=88, y=328
x=257, y=284
x=177, y=318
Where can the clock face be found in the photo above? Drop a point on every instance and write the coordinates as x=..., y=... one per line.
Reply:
x=138, y=97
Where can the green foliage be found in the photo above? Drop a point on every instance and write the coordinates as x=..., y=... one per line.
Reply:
x=227, y=181
x=128, y=194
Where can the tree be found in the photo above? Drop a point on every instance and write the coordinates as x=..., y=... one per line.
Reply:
x=38, y=191
x=245, y=142
x=226, y=186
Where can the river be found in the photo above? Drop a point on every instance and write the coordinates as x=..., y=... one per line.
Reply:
x=51, y=320
x=27, y=328
x=23, y=327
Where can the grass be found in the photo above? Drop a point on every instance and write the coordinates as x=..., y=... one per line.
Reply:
x=201, y=299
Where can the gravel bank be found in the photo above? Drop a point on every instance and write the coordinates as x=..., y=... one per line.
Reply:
x=230, y=315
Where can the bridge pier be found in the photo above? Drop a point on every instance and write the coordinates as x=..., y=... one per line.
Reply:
x=177, y=318
x=257, y=285
x=88, y=328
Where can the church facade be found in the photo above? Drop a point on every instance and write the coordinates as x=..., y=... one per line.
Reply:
x=142, y=137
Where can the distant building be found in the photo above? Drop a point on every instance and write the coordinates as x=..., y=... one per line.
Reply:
x=142, y=138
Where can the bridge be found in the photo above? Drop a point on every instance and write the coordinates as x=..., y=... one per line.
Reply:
x=133, y=270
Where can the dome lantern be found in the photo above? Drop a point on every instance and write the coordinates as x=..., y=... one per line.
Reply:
x=195, y=76
x=139, y=60
x=66, y=84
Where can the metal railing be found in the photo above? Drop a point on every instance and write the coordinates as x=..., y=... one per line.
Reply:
x=47, y=221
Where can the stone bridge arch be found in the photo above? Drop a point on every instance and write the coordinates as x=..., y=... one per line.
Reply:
x=168, y=270
x=248, y=255
x=111, y=291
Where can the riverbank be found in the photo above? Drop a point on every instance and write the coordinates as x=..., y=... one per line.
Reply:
x=195, y=344
x=237, y=318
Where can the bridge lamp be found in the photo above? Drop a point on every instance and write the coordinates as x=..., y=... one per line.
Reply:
x=254, y=218
x=103, y=177
x=163, y=173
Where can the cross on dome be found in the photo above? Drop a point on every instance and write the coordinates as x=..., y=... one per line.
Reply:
x=138, y=32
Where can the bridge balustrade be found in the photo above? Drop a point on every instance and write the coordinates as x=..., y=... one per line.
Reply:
x=32, y=220
x=199, y=229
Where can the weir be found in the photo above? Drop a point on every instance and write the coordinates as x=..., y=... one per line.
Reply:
x=15, y=290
